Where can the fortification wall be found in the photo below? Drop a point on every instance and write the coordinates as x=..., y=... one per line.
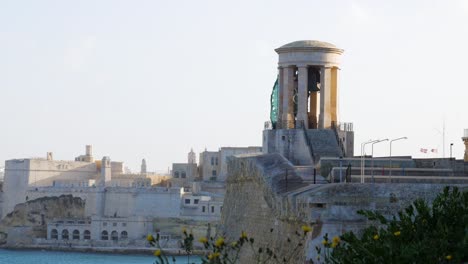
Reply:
x=28, y=220
x=257, y=200
x=252, y=204
x=119, y=201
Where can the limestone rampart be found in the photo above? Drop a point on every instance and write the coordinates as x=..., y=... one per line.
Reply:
x=255, y=203
x=258, y=201
x=28, y=220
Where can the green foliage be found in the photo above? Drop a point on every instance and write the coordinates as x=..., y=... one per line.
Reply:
x=219, y=251
x=418, y=234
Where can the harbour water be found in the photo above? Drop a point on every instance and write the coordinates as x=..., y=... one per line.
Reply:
x=57, y=257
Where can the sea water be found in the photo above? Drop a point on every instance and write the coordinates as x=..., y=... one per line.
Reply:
x=57, y=257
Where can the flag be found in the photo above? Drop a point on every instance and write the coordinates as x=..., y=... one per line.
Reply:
x=434, y=150
x=423, y=150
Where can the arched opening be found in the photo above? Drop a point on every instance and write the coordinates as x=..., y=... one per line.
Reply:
x=104, y=235
x=54, y=234
x=124, y=235
x=65, y=234
x=87, y=235
x=114, y=235
x=76, y=234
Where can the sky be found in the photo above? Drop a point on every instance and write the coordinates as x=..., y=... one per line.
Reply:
x=153, y=79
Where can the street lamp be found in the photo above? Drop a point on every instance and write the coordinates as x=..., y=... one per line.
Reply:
x=372, y=155
x=451, y=145
x=390, y=174
x=363, y=158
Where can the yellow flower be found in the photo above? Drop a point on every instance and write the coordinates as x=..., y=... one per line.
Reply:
x=336, y=239
x=157, y=253
x=325, y=242
x=333, y=245
x=213, y=255
x=150, y=238
x=219, y=242
x=448, y=257
x=376, y=237
x=184, y=230
x=306, y=228
x=234, y=244
x=203, y=240
x=397, y=233
x=243, y=235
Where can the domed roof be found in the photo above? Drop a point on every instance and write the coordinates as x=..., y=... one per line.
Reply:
x=308, y=45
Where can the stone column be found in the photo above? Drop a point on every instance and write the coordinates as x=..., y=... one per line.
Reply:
x=302, y=96
x=325, y=94
x=334, y=96
x=280, y=97
x=288, y=93
x=465, y=157
x=313, y=110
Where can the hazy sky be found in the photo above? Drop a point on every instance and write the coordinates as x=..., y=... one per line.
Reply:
x=152, y=79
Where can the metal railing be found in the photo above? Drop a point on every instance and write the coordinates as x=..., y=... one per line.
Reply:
x=306, y=136
x=338, y=139
x=342, y=126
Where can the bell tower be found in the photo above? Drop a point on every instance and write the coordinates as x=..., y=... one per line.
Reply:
x=304, y=117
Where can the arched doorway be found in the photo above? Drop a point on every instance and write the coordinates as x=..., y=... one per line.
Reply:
x=104, y=235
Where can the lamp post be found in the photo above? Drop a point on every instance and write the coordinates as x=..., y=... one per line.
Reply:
x=451, y=145
x=363, y=158
x=391, y=141
x=372, y=155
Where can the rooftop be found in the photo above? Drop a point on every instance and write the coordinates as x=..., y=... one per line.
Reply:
x=308, y=45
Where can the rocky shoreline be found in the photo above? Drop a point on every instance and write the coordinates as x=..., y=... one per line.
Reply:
x=105, y=250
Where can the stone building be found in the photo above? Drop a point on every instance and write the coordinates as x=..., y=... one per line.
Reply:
x=121, y=204
x=213, y=164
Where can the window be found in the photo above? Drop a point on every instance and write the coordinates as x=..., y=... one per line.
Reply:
x=124, y=224
x=114, y=224
x=104, y=235
x=65, y=234
x=195, y=201
x=212, y=161
x=183, y=175
x=87, y=235
x=212, y=209
x=104, y=224
x=76, y=235
x=220, y=209
x=114, y=235
x=213, y=173
x=203, y=209
x=176, y=174
x=216, y=160
x=187, y=201
x=124, y=235
x=54, y=234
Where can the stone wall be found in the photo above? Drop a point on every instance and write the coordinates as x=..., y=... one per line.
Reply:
x=254, y=204
x=28, y=220
x=292, y=144
x=258, y=199
x=120, y=201
x=23, y=173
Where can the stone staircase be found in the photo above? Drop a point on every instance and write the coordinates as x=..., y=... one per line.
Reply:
x=324, y=143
